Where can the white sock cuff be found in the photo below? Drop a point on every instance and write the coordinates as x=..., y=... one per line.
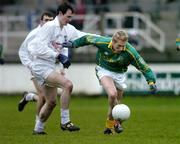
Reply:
x=65, y=116
x=39, y=126
x=37, y=118
x=30, y=96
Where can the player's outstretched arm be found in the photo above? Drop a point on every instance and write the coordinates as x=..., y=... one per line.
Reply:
x=64, y=60
x=82, y=41
x=152, y=88
x=178, y=44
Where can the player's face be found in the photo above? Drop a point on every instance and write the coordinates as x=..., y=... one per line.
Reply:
x=118, y=45
x=66, y=18
x=46, y=19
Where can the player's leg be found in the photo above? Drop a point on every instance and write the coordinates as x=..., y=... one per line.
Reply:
x=118, y=127
x=105, y=78
x=26, y=97
x=50, y=102
x=59, y=80
x=119, y=80
x=40, y=97
x=109, y=86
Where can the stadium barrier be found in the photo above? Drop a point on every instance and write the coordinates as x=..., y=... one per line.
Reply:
x=142, y=31
x=16, y=78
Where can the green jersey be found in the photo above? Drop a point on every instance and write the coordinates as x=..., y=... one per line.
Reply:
x=116, y=62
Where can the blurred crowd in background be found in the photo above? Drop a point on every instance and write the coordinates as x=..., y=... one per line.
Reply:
x=163, y=13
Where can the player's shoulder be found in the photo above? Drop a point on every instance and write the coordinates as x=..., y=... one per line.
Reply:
x=104, y=38
x=108, y=38
x=49, y=24
x=70, y=27
x=130, y=48
x=32, y=32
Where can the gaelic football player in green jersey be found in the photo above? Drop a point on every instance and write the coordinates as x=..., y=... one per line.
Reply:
x=113, y=57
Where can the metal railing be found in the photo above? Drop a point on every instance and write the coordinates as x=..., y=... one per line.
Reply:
x=137, y=25
x=13, y=29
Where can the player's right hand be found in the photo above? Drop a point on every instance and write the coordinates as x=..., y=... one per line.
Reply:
x=64, y=60
x=56, y=45
x=153, y=88
x=68, y=44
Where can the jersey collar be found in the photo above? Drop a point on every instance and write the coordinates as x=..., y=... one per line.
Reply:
x=110, y=46
x=56, y=20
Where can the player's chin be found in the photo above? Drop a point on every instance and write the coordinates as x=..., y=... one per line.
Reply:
x=117, y=51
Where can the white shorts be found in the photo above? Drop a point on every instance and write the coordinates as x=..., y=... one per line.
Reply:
x=42, y=70
x=119, y=78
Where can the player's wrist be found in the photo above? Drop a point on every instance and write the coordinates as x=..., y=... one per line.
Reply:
x=151, y=83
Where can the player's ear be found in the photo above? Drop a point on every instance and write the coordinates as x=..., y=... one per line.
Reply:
x=60, y=13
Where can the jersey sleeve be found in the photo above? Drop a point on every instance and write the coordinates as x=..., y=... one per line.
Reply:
x=40, y=45
x=24, y=55
x=86, y=40
x=141, y=65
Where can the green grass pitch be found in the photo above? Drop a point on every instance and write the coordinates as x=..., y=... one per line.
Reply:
x=154, y=120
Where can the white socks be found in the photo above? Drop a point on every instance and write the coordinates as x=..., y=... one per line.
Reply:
x=30, y=96
x=64, y=116
x=37, y=117
x=39, y=126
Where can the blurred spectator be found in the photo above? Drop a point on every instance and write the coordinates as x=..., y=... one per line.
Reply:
x=31, y=18
x=80, y=9
x=63, y=1
x=170, y=1
x=128, y=22
x=7, y=2
x=100, y=6
x=135, y=39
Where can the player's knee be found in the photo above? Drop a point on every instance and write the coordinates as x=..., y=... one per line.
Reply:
x=113, y=95
x=69, y=85
x=41, y=100
x=51, y=104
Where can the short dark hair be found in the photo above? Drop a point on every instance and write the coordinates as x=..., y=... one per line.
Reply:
x=47, y=13
x=64, y=7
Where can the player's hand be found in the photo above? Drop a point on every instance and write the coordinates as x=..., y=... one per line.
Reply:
x=62, y=71
x=153, y=88
x=68, y=44
x=56, y=45
x=1, y=61
x=64, y=60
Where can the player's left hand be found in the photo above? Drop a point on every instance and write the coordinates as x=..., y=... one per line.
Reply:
x=68, y=44
x=64, y=60
x=153, y=88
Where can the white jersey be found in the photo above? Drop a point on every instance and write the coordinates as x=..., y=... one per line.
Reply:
x=24, y=55
x=44, y=52
x=42, y=48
